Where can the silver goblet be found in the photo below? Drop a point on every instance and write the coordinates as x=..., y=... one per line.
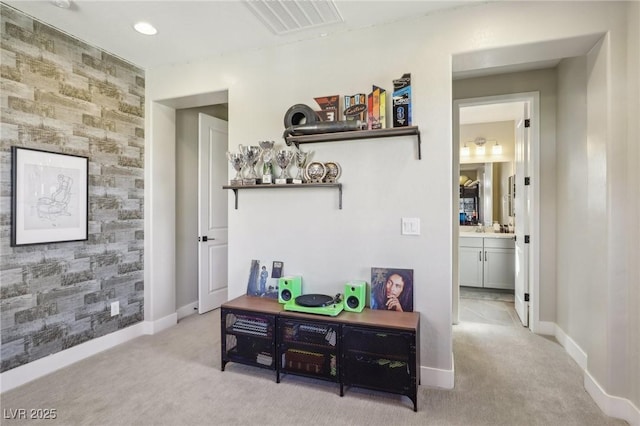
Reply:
x=283, y=158
x=251, y=156
x=301, y=162
x=267, y=161
x=237, y=162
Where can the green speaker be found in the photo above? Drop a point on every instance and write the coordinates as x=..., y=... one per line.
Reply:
x=355, y=296
x=289, y=288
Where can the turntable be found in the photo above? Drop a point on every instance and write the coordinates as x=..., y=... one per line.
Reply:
x=316, y=304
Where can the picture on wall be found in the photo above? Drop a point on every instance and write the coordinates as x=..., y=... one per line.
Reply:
x=263, y=278
x=392, y=289
x=49, y=197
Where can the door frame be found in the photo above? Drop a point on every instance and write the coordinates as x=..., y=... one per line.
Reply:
x=160, y=206
x=534, y=173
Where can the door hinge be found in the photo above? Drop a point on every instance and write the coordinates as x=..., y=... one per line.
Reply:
x=526, y=297
x=527, y=122
x=527, y=181
x=526, y=239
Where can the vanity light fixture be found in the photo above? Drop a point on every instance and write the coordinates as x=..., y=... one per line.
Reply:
x=465, y=151
x=496, y=149
x=480, y=145
x=145, y=28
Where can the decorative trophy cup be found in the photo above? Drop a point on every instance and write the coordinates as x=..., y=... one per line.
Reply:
x=267, y=161
x=251, y=156
x=301, y=162
x=237, y=162
x=283, y=158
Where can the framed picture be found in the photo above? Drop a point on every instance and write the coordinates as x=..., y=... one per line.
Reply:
x=392, y=289
x=49, y=197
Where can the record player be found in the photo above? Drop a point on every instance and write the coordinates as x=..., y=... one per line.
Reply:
x=316, y=304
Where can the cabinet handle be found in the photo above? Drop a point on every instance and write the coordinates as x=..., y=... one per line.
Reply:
x=480, y=255
x=485, y=256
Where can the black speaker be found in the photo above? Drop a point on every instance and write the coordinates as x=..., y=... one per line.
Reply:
x=355, y=296
x=289, y=288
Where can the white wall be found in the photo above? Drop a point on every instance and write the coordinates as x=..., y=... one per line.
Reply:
x=572, y=188
x=633, y=177
x=382, y=178
x=598, y=167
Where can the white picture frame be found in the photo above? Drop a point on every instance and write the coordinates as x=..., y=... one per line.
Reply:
x=50, y=197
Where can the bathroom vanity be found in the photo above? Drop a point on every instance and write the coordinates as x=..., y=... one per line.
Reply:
x=487, y=260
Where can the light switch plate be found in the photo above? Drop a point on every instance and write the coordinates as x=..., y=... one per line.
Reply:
x=410, y=226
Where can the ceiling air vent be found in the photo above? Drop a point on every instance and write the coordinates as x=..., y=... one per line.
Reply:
x=287, y=16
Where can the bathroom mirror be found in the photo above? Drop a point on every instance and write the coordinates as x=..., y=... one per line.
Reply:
x=492, y=180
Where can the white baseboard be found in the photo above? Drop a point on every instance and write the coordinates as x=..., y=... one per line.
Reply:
x=186, y=310
x=545, y=328
x=436, y=377
x=612, y=406
x=153, y=327
x=18, y=376
x=572, y=348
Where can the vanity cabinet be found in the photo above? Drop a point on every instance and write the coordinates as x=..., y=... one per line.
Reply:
x=487, y=262
x=470, y=261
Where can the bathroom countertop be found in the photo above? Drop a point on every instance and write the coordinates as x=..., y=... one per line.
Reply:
x=487, y=235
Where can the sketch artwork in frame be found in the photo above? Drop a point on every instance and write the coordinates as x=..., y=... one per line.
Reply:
x=49, y=197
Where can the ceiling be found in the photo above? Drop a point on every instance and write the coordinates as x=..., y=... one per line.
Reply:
x=192, y=30
x=507, y=111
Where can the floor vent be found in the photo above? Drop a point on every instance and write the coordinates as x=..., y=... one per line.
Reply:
x=288, y=16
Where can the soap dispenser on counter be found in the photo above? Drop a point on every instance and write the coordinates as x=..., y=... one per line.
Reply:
x=496, y=227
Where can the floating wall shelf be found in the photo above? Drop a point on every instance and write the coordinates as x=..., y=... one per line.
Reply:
x=235, y=188
x=357, y=134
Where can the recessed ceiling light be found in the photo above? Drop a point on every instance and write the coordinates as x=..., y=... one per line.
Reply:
x=63, y=4
x=145, y=28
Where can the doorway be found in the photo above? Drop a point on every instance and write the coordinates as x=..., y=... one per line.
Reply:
x=186, y=118
x=516, y=162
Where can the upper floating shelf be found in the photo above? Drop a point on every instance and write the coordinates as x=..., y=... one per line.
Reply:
x=356, y=134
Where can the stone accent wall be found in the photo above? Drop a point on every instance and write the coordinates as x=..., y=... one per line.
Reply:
x=60, y=94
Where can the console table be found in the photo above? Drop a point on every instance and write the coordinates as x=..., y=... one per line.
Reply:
x=373, y=349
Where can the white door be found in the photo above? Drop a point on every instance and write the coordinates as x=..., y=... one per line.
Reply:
x=212, y=213
x=522, y=213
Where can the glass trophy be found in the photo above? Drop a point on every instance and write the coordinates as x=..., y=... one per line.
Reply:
x=251, y=156
x=301, y=162
x=283, y=158
x=237, y=162
x=267, y=161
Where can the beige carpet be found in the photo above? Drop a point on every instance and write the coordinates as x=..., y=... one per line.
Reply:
x=504, y=376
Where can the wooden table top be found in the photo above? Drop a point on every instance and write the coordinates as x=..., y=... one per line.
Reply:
x=368, y=317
